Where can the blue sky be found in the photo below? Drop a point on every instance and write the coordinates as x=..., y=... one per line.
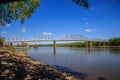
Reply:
x=59, y=17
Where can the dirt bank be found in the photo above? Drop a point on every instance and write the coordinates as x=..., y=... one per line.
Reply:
x=16, y=66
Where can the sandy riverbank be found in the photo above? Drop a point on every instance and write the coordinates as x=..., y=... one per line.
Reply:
x=17, y=66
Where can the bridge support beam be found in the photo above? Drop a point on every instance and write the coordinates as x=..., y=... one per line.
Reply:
x=104, y=44
x=10, y=45
x=89, y=44
x=54, y=44
x=28, y=45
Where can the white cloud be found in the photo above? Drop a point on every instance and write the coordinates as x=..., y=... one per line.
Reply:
x=88, y=30
x=4, y=32
x=47, y=33
x=7, y=25
x=85, y=18
x=23, y=30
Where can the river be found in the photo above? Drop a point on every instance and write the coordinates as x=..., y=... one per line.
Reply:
x=94, y=64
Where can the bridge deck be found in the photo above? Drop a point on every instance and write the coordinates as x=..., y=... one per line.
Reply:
x=41, y=41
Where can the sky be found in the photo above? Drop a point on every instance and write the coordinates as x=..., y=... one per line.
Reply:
x=59, y=17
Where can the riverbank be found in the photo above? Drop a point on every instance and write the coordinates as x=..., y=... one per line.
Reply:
x=17, y=66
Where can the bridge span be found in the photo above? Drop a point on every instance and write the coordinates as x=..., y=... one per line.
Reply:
x=66, y=37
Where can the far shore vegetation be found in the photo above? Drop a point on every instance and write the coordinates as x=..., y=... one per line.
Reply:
x=35, y=46
x=113, y=42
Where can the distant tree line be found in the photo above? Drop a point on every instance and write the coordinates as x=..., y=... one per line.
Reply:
x=21, y=45
x=114, y=42
x=1, y=41
x=75, y=44
x=81, y=44
x=35, y=46
x=111, y=42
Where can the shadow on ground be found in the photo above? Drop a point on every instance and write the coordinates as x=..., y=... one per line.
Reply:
x=82, y=76
x=13, y=67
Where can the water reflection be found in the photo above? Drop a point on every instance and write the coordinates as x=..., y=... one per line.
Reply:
x=115, y=51
x=54, y=51
x=82, y=76
x=97, y=63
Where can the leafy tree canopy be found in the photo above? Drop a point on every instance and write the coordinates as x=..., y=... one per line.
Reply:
x=22, y=9
x=82, y=3
x=17, y=9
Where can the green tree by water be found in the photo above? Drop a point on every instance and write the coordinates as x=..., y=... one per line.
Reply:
x=75, y=44
x=114, y=42
x=18, y=9
x=35, y=46
x=24, y=44
x=97, y=43
x=1, y=41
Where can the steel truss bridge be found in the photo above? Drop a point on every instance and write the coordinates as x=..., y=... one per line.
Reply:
x=66, y=37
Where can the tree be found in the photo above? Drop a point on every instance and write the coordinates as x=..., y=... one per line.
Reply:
x=17, y=9
x=1, y=41
x=114, y=42
x=82, y=3
x=22, y=9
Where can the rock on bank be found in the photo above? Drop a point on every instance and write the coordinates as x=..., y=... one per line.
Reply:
x=20, y=67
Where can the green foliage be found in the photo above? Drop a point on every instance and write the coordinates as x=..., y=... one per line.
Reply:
x=82, y=44
x=22, y=9
x=24, y=44
x=21, y=45
x=35, y=46
x=97, y=44
x=82, y=3
x=114, y=42
x=5, y=45
x=17, y=10
x=76, y=44
x=18, y=45
x=1, y=41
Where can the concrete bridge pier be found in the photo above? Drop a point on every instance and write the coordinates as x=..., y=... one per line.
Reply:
x=28, y=46
x=54, y=45
x=10, y=45
x=104, y=44
x=89, y=44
